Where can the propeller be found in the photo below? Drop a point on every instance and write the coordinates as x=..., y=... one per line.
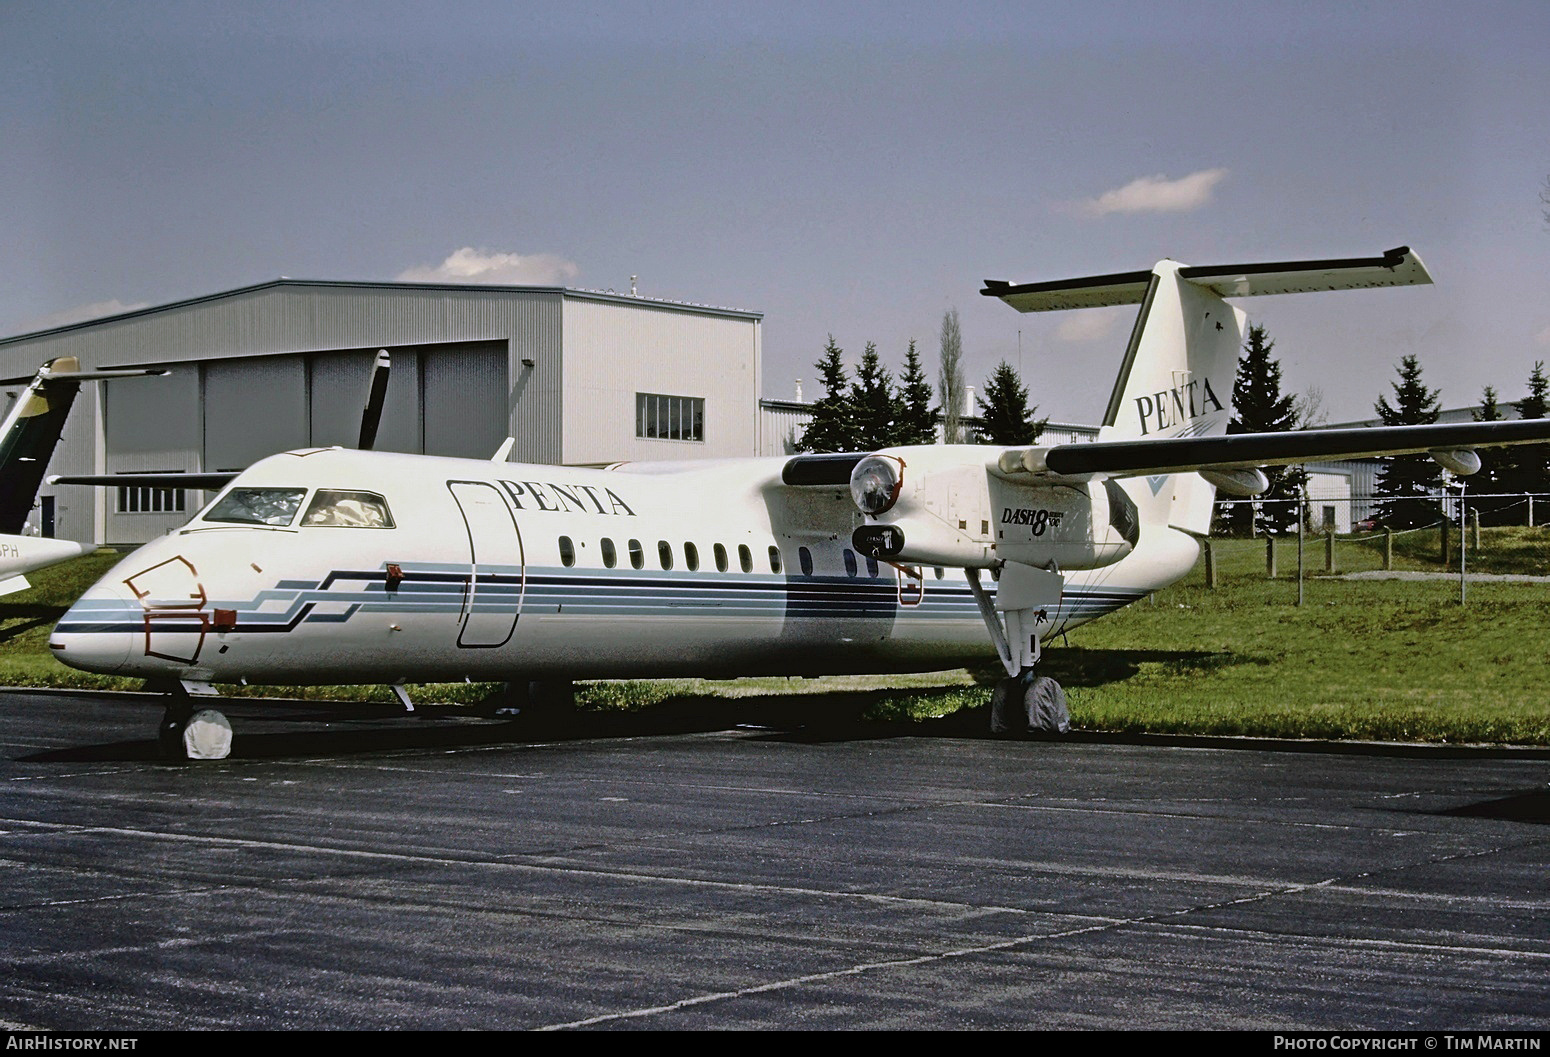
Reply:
x=376, y=396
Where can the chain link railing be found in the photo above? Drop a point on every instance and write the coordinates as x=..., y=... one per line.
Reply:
x=1485, y=548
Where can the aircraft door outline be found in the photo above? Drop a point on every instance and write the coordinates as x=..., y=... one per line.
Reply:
x=490, y=606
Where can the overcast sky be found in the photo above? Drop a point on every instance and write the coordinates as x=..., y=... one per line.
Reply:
x=854, y=169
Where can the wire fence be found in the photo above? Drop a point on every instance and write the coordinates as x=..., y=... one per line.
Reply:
x=1473, y=549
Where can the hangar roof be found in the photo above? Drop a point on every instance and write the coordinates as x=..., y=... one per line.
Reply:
x=560, y=291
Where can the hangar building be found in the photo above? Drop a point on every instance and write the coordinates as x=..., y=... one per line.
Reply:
x=574, y=376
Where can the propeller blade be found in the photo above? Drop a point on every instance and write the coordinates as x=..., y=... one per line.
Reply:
x=375, y=398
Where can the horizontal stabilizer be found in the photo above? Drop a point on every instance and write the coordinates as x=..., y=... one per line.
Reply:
x=49, y=374
x=1134, y=458
x=206, y=482
x=1396, y=267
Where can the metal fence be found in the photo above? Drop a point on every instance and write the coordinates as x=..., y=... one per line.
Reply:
x=1475, y=550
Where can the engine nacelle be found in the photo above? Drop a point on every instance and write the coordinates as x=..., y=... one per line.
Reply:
x=947, y=506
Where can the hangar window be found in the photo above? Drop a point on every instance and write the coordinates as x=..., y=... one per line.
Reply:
x=136, y=499
x=691, y=557
x=721, y=557
x=637, y=555
x=610, y=556
x=331, y=508
x=745, y=557
x=257, y=506
x=567, y=552
x=660, y=417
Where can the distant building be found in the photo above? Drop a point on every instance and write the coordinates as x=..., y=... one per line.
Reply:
x=574, y=376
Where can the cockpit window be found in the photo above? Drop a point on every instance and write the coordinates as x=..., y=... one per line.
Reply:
x=257, y=506
x=331, y=508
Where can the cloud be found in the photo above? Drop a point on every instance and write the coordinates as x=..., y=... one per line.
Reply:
x=1157, y=194
x=1089, y=325
x=80, y=314
x=469, y=265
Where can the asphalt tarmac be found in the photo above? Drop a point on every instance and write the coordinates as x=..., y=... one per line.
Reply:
x=752, y=867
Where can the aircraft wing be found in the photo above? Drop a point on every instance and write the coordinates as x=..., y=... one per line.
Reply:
x=1140, y=458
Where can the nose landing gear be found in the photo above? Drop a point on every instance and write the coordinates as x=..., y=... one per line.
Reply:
x=187, y=733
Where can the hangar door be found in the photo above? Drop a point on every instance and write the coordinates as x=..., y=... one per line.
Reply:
x=442, y=399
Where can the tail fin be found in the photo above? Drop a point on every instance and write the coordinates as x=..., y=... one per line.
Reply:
x=1181, y=363
x=28, y=437
x=32, y=429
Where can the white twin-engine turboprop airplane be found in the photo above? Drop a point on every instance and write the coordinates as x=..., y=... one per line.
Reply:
x=342, y=566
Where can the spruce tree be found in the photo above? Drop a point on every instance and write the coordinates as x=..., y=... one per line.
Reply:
x=1005, y=417
x=917, y=418
x=1407, y=484
x=833, y=425
x=875, y=404
x=1259, y=406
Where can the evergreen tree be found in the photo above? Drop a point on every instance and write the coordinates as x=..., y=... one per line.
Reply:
x=1259, y=406
x=917, y=418
x=1005, y=417
x=875, y=404
x=951, y=383
x=833, y=425
x=1407, y=484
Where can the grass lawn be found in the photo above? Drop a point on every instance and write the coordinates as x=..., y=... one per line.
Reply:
x=1384, y=660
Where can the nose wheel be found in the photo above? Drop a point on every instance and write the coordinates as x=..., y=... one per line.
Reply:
x=187, y=733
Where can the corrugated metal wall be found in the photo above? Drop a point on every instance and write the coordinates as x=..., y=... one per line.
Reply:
x=617, y=348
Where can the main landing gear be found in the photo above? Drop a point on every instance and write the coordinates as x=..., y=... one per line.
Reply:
x=1025, y=701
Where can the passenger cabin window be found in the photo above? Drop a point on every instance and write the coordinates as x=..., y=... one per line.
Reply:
x=745, y=557
x=850, y=563
x=332, y=508
x=721, y=557
x=665, y=554
x=257, y=506
x=567, y=552
x=637, y=555
x=691, y=557
x=610, y=556
x=805, y=556
x=774, y=559
x=871, y=567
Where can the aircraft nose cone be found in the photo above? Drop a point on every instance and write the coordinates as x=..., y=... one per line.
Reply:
x=96, y=634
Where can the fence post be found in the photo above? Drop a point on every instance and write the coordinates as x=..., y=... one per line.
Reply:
x=1443, y=536
x=1463, y=552
x=1210, y=565
x=1388, y=549
x=1302, y=525
x=1329, y=549
x=1531, y=510
x=1474, y=527
x=1270, y=557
